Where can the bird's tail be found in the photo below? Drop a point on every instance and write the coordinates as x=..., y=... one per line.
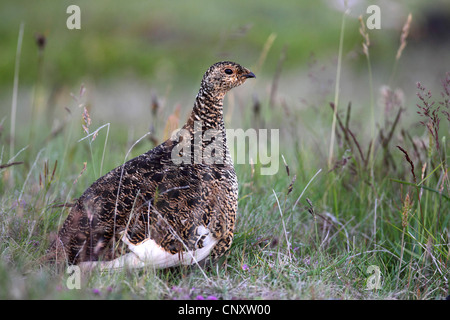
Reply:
x=82, y=238
x=68, y=244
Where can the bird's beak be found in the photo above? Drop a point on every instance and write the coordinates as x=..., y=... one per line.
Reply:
x=249, y=75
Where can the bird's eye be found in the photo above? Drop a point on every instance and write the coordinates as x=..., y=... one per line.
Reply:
x=228, y=71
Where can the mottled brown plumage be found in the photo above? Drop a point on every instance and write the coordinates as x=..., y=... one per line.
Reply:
x=154, y=210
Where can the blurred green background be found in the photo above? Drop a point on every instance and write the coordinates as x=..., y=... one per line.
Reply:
x=127, y=51
x=179, y=38
x=154, y=38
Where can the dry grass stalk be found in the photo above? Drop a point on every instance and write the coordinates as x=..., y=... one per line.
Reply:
x=47, y=177
x=404, y=36
x=291, y=185
x=82, y=171
x=406, y=209
x=365, y=34
x=285, y=165
x=407, y=206
x=87, y=120
x=445, y=103
x=428, y=109
x=348, y=133
x=311, y=209
x=409, y=161
x=267, y=45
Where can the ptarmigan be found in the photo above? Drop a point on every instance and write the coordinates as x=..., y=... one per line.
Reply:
x=174, y=205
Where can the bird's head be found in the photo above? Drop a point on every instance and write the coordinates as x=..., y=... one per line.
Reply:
x=223, y=76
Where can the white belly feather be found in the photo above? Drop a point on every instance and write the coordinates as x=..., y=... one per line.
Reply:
x=149, y=253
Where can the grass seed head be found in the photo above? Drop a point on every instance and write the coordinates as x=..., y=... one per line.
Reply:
x=407, y=206
x=365, y=34
x=404, y=36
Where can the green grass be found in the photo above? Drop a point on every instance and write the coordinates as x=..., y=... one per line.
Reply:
x=312, y=237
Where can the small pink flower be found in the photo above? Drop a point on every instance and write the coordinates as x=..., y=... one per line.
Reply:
x=96, y=291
